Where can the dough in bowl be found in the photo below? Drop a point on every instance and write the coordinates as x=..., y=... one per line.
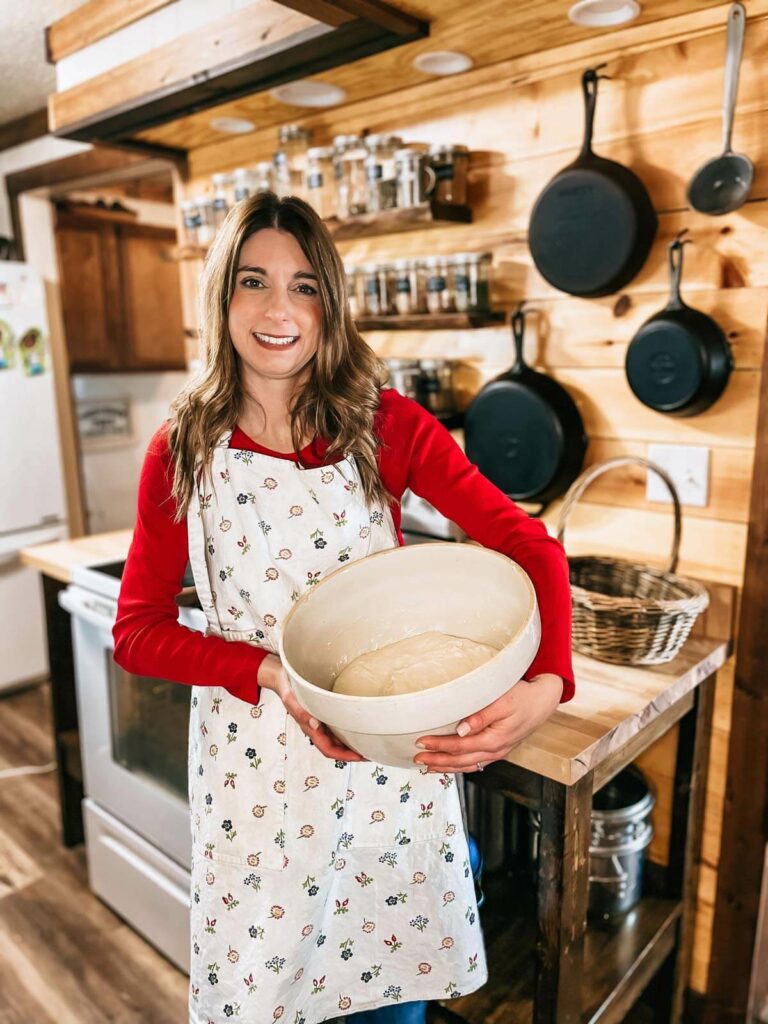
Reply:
x=415, y=663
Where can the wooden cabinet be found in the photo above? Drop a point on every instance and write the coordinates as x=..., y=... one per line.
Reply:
x=121, y=297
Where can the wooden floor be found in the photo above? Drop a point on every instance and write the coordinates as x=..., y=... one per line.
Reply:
x=65, y=958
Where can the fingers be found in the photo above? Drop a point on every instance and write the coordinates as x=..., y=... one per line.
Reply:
x=466, y=763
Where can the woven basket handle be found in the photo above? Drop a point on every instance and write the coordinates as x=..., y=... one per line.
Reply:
x=582, y=482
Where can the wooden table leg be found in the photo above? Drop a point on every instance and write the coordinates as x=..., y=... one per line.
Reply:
x=563, y=884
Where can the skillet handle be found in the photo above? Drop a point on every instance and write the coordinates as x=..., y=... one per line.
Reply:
x=589, y=87
x=580, y=485
x=675, y=254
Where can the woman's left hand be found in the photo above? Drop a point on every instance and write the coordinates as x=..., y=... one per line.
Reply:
x=492, y=732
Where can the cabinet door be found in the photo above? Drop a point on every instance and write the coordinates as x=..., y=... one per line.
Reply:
x=91, y=308
x=151, y=290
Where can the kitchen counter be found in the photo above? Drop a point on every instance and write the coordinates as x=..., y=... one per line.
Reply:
x=58, y=559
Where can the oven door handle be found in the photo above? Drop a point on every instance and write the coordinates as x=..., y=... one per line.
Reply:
x=93, y=610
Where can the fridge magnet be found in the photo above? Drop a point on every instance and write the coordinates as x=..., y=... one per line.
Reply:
x=32, y=351
x=6, y=345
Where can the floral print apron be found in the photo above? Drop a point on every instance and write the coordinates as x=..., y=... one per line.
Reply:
x=319, y=887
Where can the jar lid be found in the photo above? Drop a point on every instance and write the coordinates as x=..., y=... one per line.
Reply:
x=407, y=152
x=369, y=268
x=320, y=152
x=203, y=201
x=445, y=149
x=435, y=261
x=350, y=269
x=345, y=141
x=402, y=264
x=291, y=132
x=188, y=204
x=241, y=172
x=403, y=364
x=433, y=364
x=219, y=178
x=391, y=141
x=263, y=166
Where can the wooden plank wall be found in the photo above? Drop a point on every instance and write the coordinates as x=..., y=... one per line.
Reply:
x=660, y=113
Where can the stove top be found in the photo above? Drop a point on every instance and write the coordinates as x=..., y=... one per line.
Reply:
x=104, y=578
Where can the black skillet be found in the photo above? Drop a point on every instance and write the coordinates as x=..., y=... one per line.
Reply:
x=524, y=432
x=679, y=361
x=593, y=225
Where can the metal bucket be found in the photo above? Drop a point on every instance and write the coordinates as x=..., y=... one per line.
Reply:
x=621, y=833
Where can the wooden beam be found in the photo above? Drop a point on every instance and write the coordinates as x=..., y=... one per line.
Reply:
x=93, y=21
x=231, y=41
x=337, y=12
x=745, y=815
x=24, y=129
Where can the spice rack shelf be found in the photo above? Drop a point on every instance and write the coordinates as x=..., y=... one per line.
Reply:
x=364, y=225
x=619, y=958
x=429, y=321
x=410, y=218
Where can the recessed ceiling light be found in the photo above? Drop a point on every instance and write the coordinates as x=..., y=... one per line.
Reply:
x=307, y=92
x=603, y=13
x=443, y=62
x=232, y=125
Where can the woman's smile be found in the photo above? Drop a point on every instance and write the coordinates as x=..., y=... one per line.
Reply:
x=275, y=341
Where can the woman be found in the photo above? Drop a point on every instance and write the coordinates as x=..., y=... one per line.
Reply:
x=321, y=884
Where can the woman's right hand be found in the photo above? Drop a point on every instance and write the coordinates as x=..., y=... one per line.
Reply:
x=272, y=676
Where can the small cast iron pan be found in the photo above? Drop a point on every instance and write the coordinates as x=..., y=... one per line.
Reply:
x=524, y=432
x=679, y=361
x=593, y=225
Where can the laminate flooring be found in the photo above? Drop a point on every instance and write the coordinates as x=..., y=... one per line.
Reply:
x=65, y=957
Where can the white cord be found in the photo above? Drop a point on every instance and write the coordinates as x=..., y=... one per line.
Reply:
x=30, y=769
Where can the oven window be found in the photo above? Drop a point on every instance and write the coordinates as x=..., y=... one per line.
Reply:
x=149, y=725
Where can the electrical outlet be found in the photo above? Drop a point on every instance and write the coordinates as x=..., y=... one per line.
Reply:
x=688, y=466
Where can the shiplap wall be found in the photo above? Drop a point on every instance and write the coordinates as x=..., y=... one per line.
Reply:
x=660, y=113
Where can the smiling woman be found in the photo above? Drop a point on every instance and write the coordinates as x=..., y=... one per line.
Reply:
x=283, y=460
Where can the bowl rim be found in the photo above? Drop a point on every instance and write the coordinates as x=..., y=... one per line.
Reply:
x=453, y=545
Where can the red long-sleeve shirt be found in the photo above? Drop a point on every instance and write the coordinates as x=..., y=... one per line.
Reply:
x=415, y=452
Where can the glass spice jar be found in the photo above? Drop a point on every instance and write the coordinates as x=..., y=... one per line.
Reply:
x=406, y=287
x=221, y=198
x=380, y=171
x=450, y=164
x=471, y=281
x=371, y=290
x=349, y=174
x=354, y=290
x=264, y=177
x=387, y=288
x=242, y=183
x=190, y=219
x=320, y=186
x=291, y=160
x=436, y=386
x=404, y=376
x=439, y=295
x=415, y=177
x=206, y=230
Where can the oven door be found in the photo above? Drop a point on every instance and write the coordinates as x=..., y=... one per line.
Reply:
x=133, y=730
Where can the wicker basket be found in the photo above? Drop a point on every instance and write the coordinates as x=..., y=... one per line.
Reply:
x=625, y=613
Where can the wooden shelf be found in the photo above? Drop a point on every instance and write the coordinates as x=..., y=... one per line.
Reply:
x=619, y=961
x=429, y=321
x=365, y=225
x=388, y=222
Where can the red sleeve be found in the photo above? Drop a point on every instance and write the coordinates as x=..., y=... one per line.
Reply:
x=418, y=452
x=149, y=640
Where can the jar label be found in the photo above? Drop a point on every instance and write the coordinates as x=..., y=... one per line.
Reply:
x=241, y=193
x=373, y=172
x=315, y=180
x=462, y=282
x=219, y=203
x=443, y=172
x=435, y=284
x=372, y=286
x=403, y=284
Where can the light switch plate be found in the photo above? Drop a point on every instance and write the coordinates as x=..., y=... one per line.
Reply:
x=688, y=466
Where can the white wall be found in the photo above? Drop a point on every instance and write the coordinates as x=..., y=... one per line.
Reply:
x=111, y=475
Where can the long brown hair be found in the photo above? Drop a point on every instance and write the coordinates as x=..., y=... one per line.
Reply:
x=341, y=395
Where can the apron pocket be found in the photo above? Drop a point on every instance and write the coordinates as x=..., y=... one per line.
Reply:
x=238, y=785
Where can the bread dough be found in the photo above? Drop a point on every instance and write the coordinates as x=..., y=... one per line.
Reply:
x=415, y=663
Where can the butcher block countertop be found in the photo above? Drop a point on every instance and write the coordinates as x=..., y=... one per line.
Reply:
x=614, y=706
x=61, y=557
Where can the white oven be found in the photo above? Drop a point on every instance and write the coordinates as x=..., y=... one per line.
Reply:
x=133, y=742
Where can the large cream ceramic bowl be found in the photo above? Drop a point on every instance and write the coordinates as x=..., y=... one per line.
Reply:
x=461, y=589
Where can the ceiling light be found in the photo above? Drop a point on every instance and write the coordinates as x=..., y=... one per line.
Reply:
x=603, y=13
x=232, y=125
x=307, y=92
x=443, y=62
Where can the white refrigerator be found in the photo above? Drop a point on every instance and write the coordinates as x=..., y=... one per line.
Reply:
x=32, y=502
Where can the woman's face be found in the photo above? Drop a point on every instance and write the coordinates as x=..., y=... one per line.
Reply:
x=275, y=314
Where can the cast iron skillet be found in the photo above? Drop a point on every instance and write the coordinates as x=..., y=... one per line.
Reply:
x=524, y=432
x=679, y=361
x=593, y=225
